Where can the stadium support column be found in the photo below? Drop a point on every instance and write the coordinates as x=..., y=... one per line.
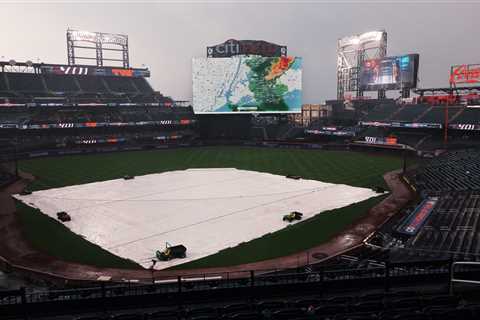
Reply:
x=23, y=300
x=340, y=85
x=387, y=271
x=16, y=153
x=356, y=78
x=381, y=94
x=126, y=60
x=352, y=51
x=70, y=50
x=98, y=52
x=405, y=93
x=445, y=125
x=152, y=269
x=451, y=270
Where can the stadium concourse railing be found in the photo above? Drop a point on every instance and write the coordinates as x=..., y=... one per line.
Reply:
x=464, y=272
x=387, y=276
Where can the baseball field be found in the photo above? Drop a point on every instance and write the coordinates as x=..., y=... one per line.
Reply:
x=354, y=169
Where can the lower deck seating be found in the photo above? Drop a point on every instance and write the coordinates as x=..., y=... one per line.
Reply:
x=409, y=113
x=468, y=116
x=454, y=171
x=407, y=305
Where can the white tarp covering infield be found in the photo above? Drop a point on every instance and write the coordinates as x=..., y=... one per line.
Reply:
x=206, y=210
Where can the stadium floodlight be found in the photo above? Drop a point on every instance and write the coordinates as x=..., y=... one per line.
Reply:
x=370, y=36
x=78, y=35
x=351, y=52
x=99, y=42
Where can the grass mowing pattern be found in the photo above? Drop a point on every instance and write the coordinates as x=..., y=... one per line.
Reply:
x=295, y=238
x=356, y=169
x=53, y=238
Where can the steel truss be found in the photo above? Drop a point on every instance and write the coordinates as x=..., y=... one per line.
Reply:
x=100, y=43
x=351, y=52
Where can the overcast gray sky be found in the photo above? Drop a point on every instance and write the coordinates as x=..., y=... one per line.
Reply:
x=165, y=36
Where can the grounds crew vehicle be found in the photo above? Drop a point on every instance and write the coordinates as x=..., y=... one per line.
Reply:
x=294, y=215
x=172, y=252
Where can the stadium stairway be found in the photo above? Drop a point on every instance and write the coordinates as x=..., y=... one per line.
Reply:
x=427, y=110
x=395, y=113
x=381, y=112
x=456, y=115
x=409, y=112
x=105, y=84
x=421, y=141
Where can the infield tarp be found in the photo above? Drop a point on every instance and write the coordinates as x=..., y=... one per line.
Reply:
x=206, y=210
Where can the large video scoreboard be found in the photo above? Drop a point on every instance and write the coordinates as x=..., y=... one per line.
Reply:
x=243, y=84
x=389, y=73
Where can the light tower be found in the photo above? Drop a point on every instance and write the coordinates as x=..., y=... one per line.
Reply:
x=351, y=52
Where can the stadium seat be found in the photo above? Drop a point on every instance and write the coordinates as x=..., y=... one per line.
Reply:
x=329, y=309
x=367, y=306
x=305, y=303
x=245, y=316
x=443, y=300
x=162, y=317
x=166, y=314
x=132, y=316
x=287, y=314
x=357, y=316
x=409, y=316
x=204, y=317
x=236, y=308
x=413, y=302
x=409, y=113
x=449, y=313
x=270, y=305
x=205, y=311
x=372, y=297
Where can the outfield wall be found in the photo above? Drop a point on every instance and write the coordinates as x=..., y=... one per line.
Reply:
x=209, y=143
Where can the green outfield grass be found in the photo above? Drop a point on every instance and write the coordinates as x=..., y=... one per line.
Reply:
x=356, y=169
x=53, y=238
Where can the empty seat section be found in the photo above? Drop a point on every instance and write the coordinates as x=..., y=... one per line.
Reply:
x=61, y=83
x=381, y=112
x=91, y=84
x=25, y=82
x=437, y=115
x=3, y=84
x=142, y=85
x=409, y=113
x=118, y=84
x=469, y=115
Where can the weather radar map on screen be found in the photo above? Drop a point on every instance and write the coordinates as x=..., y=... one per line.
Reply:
x=247, y=84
